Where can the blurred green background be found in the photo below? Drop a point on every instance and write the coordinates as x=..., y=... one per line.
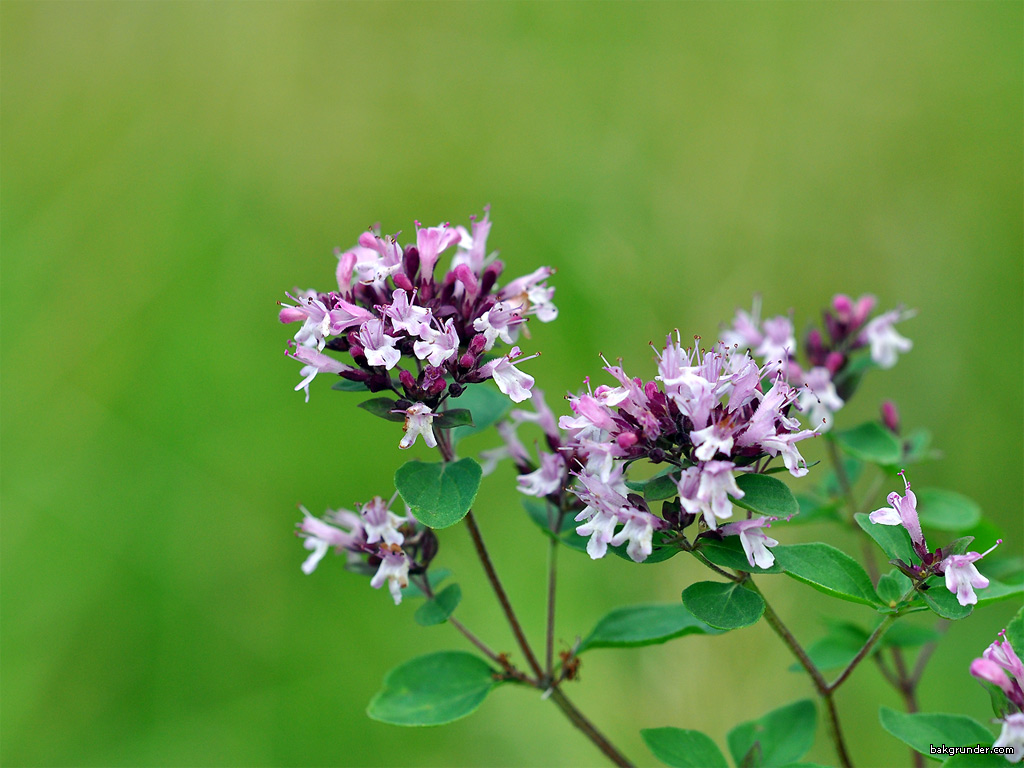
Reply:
x=170, y=169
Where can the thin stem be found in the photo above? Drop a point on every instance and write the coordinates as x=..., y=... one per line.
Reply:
x=832, y=716
x=906, y=689
x=577, y=718
x=716, y=569
x=549, y=644
x=864, y=651
x=926, y=654
x=499, y=591
x=820, y=684
x=791, y=642
x=444, y=445
x=866, y=545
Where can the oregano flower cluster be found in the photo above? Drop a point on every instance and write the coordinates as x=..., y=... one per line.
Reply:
x=696, y=458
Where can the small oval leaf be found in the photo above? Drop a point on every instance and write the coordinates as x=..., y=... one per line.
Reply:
x=780, y=737
x=920, y=730
x=439, y=493
x=893, y=539
x=438, y=610
x=947, y=510
x=944, y=602
x=767, y=495
x=433, y=689
x=487, y=406
x=639, y=625
x=683, y=748
x=723, y=605
x=382, y=407
x=828, y=570
x=344, y=385
x=871, y=442
x=728, y=553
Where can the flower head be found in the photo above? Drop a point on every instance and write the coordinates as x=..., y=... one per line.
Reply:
x=962, y=577
x=1012, y=735
x=754, y=540
x=902, y=510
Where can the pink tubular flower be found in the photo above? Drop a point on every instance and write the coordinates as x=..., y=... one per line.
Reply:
x=902, y=511
x=394, y=569
x=1002, y=653
x=431, y=242
x=419, y=420
x=405, y=316
x=819, y=399
x=545, y=480
x=380, y=523
x=705, y=489
x=510, y=380
x=320, y=535
x=315, y=362
x=885, y=342
x=1012, y=735
x=437, y=346
x=638, y=531
x=378, y=347
x=753, y=539
x=962, y=578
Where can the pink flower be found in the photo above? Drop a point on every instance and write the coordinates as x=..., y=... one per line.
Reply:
x=378, y=347
x=885, y=342
x=406, y=316
x=962, y=578
x=431, y=242
x=320, y=535
x=418, y=421
x=753, y=539
x=1012, y=735
x=394, y=569
x=638, y=531
x=510, y=380
x=315, y=362
x=437, y=346
x=902, y=511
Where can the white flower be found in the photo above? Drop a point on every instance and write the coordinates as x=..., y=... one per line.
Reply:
x=394, y=569
x=1012, y=736
x=419, y=420
x=885, y=342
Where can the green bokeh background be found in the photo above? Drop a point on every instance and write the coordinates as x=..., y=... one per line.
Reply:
x=170, y=169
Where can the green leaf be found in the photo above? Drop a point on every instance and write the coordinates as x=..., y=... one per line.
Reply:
x=871, y=442
x=997, y=590
x=344, y=385
x=438, y=610
x=944, y=602
x=433, y=689
x=946, y=510
x=767, y=495
x=1015, y=630
x=971, y=760
x=661, y=550
x=683, y=748
x=435, y=577
x=456, y=417
x=830, y=485
x=382, y=407
x=440, y=493
x=815, y=510
x=893, y=539
x=728, y=553
x=891, y=588
x=485, y=403
x=639, y=625
x=778, y=738
x=723, y=606
x=903, y=635
x=658, y=488
x=542, y=513
x=917, y=447
x=836, y=649
x=828, y=570
x=920, y=730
